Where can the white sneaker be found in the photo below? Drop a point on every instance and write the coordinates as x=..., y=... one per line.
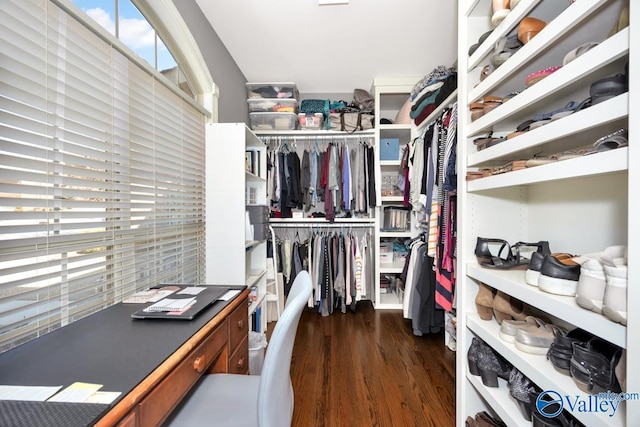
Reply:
x=592, y=282
x=614, y=259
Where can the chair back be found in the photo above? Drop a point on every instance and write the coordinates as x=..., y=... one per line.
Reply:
x=275, y=393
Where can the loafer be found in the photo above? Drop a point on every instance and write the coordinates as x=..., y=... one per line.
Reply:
x=509, y=327
x=537, y=340
x=532, y=274
x=559, y=277
x=593, y=366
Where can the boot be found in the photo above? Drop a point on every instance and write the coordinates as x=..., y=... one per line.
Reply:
x=484, y=299
x=507, y=307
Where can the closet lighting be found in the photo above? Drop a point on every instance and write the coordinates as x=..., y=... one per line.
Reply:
x=331, y=2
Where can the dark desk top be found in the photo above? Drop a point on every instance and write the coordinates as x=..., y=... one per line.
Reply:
x=107, y=347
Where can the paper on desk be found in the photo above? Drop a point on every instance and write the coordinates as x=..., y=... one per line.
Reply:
x=191, y=290
x=228, y=295
x=103, y=397
x=34, y=393
x=76, y=392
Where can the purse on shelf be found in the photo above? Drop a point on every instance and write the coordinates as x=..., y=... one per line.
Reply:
x=351, y=121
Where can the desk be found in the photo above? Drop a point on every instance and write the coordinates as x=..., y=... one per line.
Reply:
x=154, y=363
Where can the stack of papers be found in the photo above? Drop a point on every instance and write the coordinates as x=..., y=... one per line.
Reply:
x=172, y=304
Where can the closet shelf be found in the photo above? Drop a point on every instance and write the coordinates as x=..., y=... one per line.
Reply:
x=250, y=244
x=395, y=267
x=253, y=279
x=561, y=19
x=392, y=199
x=314, y=133
x=562, y=307
x=595, y=164
x=500, y=400
x=253, y=177
x=439, y=109
x=395, y=234
x=529, y=143
x=539, y=370
x=590, y=65
x=314, y=221
x=389, y=162
x=392, y=127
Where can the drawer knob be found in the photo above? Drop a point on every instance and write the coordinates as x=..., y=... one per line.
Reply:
x=241, y=324
x=198, y=364
x=241, y=362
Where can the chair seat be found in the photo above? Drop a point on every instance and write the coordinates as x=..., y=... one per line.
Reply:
x=226, y=400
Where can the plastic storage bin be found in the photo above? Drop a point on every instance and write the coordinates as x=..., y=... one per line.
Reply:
x=275, y=105
x=272, y=90
x=257, y=344
x=396, y=218
x=273, y=121
x=311, y=121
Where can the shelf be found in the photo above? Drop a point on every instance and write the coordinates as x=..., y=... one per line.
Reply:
x=439, y=109
x=563, y=307
x=392, y=268
x=529, y=143
x=595, y=164
x=252, y=280
x=384, y=234
x=255, y=304
x=253, y=177
x=539, y=370
x=395, y=127
x=395, y=163
x=307, y=133
x=500, y=400
x=590, y=65
x=250, y=244
x=311, y=221
x=392, y=199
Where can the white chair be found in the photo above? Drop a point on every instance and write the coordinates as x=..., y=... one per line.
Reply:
x=233, y=400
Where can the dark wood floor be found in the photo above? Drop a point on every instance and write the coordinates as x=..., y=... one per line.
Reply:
x=368, y=369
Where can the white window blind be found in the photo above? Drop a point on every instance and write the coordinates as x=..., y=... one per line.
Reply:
x=101, y=174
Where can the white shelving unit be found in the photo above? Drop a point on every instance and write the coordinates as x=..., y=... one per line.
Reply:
x=580, y=205
x=390, y=94
x=232, y=256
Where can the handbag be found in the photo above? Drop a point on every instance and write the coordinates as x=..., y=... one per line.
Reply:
x=351, y=121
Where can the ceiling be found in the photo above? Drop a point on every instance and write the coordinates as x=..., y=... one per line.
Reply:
x=335, y=48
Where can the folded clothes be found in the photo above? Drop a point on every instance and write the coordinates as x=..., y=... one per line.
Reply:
x=439, y=73
x=426, y=101
x=424, y=93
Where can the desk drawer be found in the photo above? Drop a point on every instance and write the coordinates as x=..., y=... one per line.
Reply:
x=239, y=360
x=164, y=397
x=238, y=326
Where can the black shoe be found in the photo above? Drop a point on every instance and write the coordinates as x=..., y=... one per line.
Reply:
x=593, y=366
x=561, y=349
x=491, y=366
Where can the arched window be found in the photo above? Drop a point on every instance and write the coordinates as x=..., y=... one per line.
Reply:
x=101, y=164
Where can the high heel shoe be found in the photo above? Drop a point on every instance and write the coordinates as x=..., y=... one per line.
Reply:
x=484, y=301
x=492, y=366
x=521, y=388
x=472, y=356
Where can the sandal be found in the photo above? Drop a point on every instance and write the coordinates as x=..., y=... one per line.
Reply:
x=512, y=257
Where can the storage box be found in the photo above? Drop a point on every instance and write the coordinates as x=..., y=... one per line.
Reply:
x=275, y=105
x=396, y=218
x=285, y=90
x=389, y=149
x=311, y=121
x=386, y=257
x=273, y=121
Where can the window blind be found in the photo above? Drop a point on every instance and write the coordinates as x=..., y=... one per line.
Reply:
x=101, y=174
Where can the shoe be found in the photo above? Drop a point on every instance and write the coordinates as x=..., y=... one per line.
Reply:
x=621, y=370
x=470, y=422
x=492, y=366
x=537, y=340
x=506, y=307
x=490, y=103
x=509, y=328
x=481, y=40
x=614, y=307
x=580, y=50
x=539, y=75
x=528, y=28
x=507, y=256
x=557, y=114
x=535, y=265
x=477, y=110
x=484, y=301
x=593, y=364
x=472, y=356
x=499, y=11
x=483, y=419
x=559, y=277
x=521, y=388
x=591, y=283
x=561, y=350
x=623, y=22
x=608, y=88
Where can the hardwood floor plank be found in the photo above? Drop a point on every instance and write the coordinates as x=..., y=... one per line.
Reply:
x=368, y=369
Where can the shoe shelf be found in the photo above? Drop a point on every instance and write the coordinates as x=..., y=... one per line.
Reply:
x=603, y=60
x=539, y=370
x=545, y=11
x=559, y=135
x=500, y=399
x=546, y=49
x=562, y=307
x=607, y=162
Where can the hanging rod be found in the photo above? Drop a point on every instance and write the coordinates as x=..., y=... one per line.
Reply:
x=322, y=224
